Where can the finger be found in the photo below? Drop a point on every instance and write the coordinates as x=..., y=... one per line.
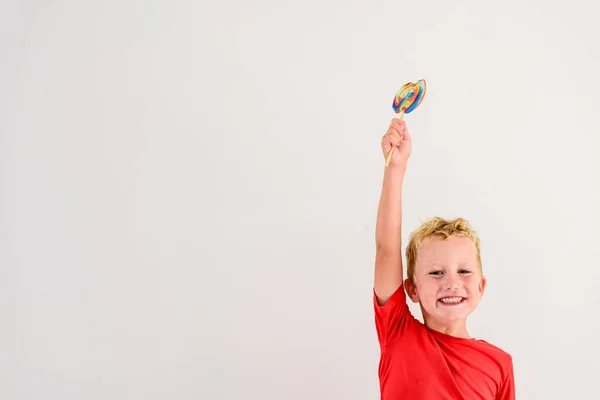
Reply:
x=394, y=137
x=392, y=128
x=405, y=132
x=402, y=126
x=391, y=140
x=398, y=128
x=396, y=123
x=397, y=132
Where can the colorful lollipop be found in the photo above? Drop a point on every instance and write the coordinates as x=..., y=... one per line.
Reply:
x=408, y=98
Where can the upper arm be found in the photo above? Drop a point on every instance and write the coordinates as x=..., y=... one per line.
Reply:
x=507, y=389
x=388, y=273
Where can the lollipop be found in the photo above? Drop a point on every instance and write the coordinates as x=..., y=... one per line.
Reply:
x=408, y=98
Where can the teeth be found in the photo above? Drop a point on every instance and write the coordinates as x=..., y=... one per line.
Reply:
x=451, y=300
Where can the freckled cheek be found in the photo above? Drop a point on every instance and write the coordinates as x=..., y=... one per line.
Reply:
x=427, y=291
x=473, y=286
x=470, y=282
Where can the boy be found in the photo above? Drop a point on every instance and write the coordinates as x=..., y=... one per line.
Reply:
x=436, y=360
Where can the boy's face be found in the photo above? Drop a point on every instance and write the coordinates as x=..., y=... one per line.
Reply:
x=447, y=281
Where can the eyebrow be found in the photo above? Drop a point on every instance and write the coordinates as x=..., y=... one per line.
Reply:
x=429, y=267
x=436, y=264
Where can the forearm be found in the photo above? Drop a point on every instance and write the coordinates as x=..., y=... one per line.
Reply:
x=388, y=233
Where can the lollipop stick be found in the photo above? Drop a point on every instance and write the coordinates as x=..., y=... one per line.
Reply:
x=389, y=154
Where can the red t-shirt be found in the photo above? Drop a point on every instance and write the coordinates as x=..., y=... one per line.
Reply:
x=420, y=363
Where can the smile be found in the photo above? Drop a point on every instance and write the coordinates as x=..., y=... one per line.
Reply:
x=452, y=301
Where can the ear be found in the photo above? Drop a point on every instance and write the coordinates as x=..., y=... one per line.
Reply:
x=482, y=284
x=411, y=290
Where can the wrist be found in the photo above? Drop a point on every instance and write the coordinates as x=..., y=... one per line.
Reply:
x=396, y=169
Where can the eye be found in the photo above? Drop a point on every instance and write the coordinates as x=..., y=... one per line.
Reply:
x=464, y=271
x=436, y=273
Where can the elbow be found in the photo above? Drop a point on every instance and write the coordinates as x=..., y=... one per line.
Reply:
x=388, y=246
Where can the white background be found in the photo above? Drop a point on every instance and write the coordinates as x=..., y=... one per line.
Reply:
x=189, y=190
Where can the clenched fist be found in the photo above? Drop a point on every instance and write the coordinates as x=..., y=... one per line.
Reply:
x=397, y=136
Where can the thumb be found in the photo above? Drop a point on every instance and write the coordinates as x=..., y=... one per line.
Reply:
x=405, y=132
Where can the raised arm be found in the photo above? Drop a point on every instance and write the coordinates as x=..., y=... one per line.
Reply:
x=388, y=235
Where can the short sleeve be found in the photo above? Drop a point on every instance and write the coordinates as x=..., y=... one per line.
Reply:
x=507, y=389
x=393, y=318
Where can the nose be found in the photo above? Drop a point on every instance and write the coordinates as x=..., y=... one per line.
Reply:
x=451, y=283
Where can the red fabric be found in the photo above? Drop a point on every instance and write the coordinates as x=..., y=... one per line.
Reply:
x=420, y=363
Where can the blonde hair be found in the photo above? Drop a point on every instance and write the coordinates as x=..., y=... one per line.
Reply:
x=439, y=228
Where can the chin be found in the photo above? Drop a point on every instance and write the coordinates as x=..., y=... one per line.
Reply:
x=451, y=315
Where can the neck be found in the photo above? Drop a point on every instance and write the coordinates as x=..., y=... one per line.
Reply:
x=453, y=328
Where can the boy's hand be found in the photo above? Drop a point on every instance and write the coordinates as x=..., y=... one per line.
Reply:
x=397, y=136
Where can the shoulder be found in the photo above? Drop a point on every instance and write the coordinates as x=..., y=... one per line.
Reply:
x=496, y=352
